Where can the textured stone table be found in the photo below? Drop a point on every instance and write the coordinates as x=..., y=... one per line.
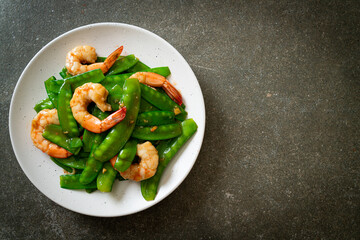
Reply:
x=281, y=154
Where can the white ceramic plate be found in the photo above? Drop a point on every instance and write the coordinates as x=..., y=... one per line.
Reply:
x=126, y=197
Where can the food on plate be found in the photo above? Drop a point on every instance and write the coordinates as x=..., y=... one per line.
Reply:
x=110, y=118
x=76, y=58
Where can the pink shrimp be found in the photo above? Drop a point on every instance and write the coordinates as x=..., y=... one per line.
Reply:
x=156, y=80
x=94, y=92
x=76, y=58
x=40, y=121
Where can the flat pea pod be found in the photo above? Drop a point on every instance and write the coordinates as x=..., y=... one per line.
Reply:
x=88, y=139
x=155, y=118
x=92, y=168
x=94, y=76
x=145, y=106
x=106, y=178
x=73, y=182
x=43, y=104
x=114, y=97
x=166, y=152
x=52, y=87
x=138, y=67
x=126, y=156
x=122, y=64
x=54, y=133
x=66, y=118
x=63, y=166
x=121, y=132
x=161, y=132
x=163, y=71
x=162, y=102
x=72, y=162
x=110, y=81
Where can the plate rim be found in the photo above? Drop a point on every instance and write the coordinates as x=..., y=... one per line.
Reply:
x=200, y=130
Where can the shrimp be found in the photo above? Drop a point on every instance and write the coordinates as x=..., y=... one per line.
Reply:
x=41, y=120
x=94, y=92
x=156, y=80
x=86, y=54
x=149, y=160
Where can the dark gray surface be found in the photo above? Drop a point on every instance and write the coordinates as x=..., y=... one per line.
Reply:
x=281, y=154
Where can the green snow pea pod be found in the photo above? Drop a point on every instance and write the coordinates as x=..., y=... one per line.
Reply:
x=122, y=64
x=90, y=190
x=92, y=168
x=64, y=73
x=43, y=104
x=72, y=162
x=155, y=118
x=66, y=118
x=52, y=87
x=161, y=132
x=94, y=76
x=106, y=178
x=73, y=182
x=54, y=133
x=138, y=67
x=100, y=59
x=126, y=156
x=121, y=132
x=145, y=106
x=162, y=102
x=114, y=97
x=163, y=71
x=110, y=81
x=167, y=151
x=60, y=164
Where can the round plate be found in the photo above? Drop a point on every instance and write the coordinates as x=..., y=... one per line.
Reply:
x=154, y=51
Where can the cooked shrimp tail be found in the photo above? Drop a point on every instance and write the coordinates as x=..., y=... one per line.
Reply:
x=113, y=119
x=172, y=92
x=156, y=80
x=110, y=60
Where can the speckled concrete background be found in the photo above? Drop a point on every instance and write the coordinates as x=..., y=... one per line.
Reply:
x=281, y=154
